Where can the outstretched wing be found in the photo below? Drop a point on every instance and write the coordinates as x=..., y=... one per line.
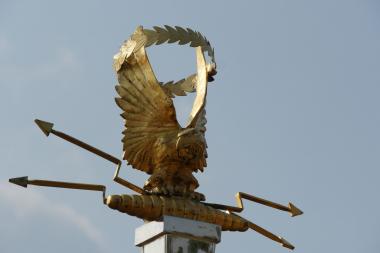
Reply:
x=148, y=112
x=197, y=117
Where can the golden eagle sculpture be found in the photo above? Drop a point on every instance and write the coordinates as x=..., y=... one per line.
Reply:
x=154, y=141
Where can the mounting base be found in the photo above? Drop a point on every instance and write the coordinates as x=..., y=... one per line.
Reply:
x=175, y=234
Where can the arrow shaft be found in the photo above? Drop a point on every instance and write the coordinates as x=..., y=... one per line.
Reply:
x=24, y=182
x=86, y=146
x=69, y=185
x=270, y=235
x=47, y=128
x=265, y=232
x=264, y=202
x=126, y=183
x=240, y=207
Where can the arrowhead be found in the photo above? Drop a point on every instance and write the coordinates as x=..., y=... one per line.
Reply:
x=21, y=181
x=46, y=127
x=294, y=210
x=286, y=244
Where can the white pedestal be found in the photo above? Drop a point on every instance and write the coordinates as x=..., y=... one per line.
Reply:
x=177, y=235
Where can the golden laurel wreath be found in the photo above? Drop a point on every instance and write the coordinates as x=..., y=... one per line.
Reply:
x=146, y=37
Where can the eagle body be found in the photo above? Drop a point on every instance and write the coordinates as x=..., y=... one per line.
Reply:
x=175, y=159
x=154, y=141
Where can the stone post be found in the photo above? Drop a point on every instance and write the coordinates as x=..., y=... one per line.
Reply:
x=177, y=235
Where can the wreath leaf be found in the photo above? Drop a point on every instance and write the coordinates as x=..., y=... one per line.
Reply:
x=169, y=34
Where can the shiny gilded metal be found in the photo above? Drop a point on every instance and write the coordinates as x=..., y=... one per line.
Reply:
x=146, y=37
x=292, y=209
x=47, y=128
x=153, y=207
x=154, y=141
x=24, y=182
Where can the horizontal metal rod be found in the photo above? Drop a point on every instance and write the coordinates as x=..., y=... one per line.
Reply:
x=24, y=182
x=69, y=185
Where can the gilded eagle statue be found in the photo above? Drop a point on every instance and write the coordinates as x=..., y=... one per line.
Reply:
x=154, y=141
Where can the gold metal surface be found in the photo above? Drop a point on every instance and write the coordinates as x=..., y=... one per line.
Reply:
x=141, y=206
x=126, y=183
x=181, y=87
x=24, y=182
x=47, y=128
x=152, y=207
x=146, y=37
x=270, y=235
x=292, y=209
x=154, y=141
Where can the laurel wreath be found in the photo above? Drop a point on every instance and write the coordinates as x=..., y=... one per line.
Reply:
x=146, y=37
x=182, y=36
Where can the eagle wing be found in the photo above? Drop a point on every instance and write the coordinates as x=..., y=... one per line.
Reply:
x=197, y=117
x=148, y=112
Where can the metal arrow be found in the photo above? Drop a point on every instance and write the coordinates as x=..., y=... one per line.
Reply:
x=24, y=182
x=270, y=235
x=47, y=129
x=292, y=209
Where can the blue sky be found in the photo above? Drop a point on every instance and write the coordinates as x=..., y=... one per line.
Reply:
x=292, y=116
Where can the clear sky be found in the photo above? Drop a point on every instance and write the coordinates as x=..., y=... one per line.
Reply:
x=292, y=116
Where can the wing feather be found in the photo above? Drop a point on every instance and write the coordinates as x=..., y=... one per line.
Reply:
x=133, y=117
x=201, y=88
x=148, y=112
x=197, y=117
x=136, y=92
x=127, y=96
